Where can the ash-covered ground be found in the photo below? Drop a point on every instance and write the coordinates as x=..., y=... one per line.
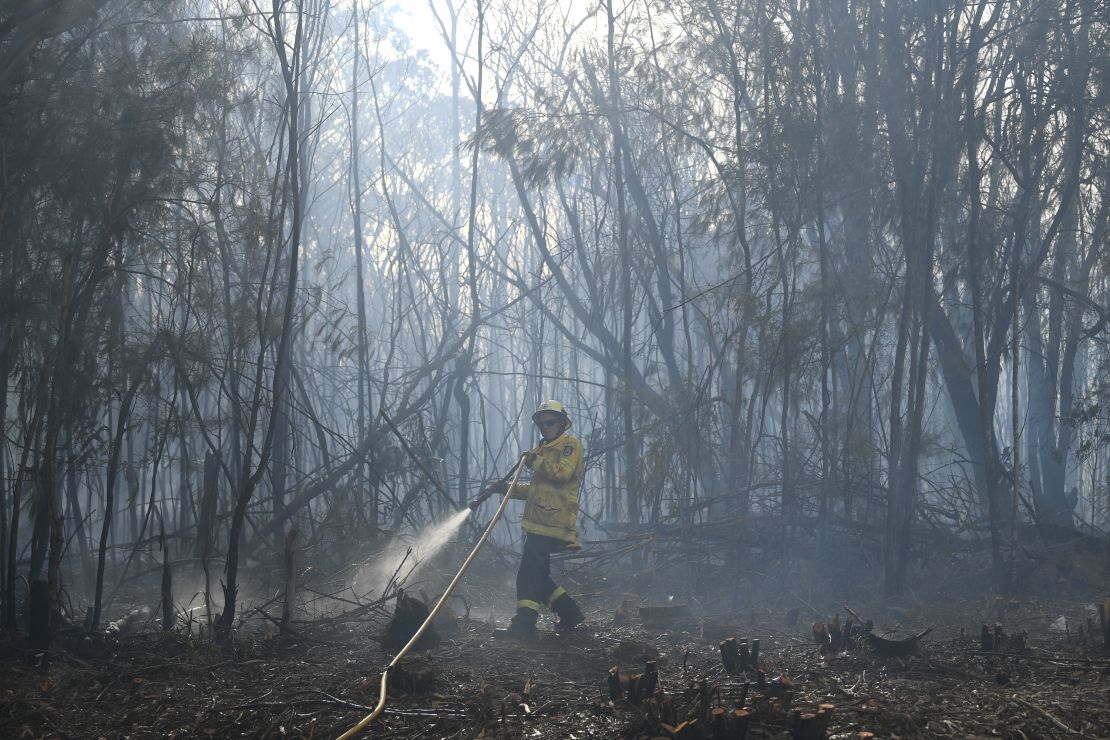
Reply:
x=1048, y=677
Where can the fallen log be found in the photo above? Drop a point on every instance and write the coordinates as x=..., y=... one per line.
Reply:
x=896, y=648
x=663, y=617
x=689, y=730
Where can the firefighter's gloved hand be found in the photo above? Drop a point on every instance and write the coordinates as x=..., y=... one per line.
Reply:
x=529, y=458
x=495, y=487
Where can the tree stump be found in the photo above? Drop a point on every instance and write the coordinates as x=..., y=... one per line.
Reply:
x=409, y=614
x=290, y=581
x=738, y=723
x=167, y=586
x=40, y=631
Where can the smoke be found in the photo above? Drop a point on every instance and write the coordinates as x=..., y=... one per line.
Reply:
x=403, y=559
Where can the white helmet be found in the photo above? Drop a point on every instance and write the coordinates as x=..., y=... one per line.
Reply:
x=552, y=407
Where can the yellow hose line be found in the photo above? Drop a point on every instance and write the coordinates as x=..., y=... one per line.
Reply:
x=435, y=610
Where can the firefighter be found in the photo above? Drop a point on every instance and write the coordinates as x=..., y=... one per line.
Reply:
x=550, y=520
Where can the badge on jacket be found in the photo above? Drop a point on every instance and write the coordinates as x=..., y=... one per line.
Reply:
x=568, y=450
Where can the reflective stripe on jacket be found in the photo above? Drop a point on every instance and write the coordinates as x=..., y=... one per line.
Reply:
x=552, y=495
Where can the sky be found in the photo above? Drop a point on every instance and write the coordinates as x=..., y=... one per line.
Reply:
x=417, y=20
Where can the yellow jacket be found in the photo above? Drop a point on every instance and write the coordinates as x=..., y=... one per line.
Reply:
x=551, y=507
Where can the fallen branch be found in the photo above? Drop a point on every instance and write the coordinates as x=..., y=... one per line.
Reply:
x=1047, y=716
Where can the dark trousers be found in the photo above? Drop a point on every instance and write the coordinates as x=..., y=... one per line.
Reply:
x=534, y=586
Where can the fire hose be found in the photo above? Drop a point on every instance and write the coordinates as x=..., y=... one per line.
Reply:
x=439, y=605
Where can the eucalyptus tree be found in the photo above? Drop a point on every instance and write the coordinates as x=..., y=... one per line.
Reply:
x=92, y=128
x=288, y=29
x=1054, y=310
x=1021, y=171
x=355, y=194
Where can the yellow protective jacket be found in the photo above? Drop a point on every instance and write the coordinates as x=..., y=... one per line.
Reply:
x=551, y=507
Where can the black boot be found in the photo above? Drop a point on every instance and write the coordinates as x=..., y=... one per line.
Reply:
x=522, y=627
x=570, y=616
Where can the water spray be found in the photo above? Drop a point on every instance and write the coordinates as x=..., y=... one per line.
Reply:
x=439, y=605
x=387, y=565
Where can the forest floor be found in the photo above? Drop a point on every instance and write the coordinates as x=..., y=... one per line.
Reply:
x=324, y=678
